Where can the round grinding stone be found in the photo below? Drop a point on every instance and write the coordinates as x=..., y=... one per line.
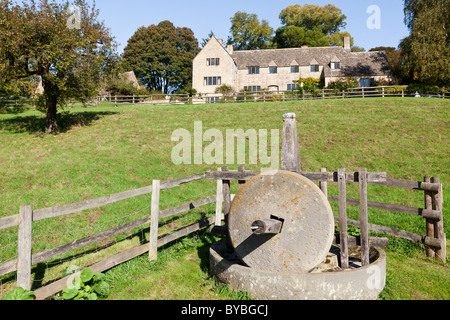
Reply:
x=308, y=224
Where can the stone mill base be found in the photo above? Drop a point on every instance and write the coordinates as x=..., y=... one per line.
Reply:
x=323, y=283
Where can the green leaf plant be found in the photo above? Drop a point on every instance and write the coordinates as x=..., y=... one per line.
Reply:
x=20, y=294
x=86, y=286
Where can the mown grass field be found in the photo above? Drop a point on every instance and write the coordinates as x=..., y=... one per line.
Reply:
x=106, y=150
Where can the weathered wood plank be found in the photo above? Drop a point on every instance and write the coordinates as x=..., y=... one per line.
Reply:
x=46, y=213
x=185, y=231
x=226, y=193
x=410, y=185
x=354, y=241
x=8, y=222
x=290, y=150
x=154, y=221
x=429, y=223
x=364, y=217
x=437, y=199
x=186, y=207
x=57, y=211
x=351, y=177
x=219, y=201
x=11, y=266
x=388, y=230
x=323, y=184
x=342, y=190
x=119, y=258
x=430, y=214
x=24, y=247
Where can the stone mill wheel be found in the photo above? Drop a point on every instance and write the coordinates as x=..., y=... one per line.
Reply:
x=281, y=221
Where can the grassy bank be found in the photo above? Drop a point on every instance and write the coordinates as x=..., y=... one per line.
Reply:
x=106, y=150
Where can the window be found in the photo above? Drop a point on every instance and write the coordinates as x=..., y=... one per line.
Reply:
x=295, y=69
x=212, y=99
x=314, y=68
x=366, y=82
x=335, y=65
x=212, y=81
x=252, y=88
x=213, y=61
x=292, y=86
x=253, y=70
x=273, y=69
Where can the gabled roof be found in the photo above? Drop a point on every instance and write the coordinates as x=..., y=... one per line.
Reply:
x=352, y=63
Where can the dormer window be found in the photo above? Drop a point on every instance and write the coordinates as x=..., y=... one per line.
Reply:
x=335, y=65
x=314, y=68
x=295, y=69
x=273, y=69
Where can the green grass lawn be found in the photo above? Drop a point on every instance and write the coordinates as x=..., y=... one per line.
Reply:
x=106, y=150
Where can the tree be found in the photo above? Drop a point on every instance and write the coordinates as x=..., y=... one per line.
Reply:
x=161, y=56
x=205, y=40
x=248, y=33
x=425, y=52
x=295, y=37
x=327, y=19
x=39, y=41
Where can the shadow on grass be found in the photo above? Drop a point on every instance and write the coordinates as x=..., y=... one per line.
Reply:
x=36, y=124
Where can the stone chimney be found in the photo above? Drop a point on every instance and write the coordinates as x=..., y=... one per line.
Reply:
x=230, y=48
x=347, y=45
x=220, y=41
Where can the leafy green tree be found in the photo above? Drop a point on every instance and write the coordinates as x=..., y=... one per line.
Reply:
x=426, y=51
x=205, y=40
x=248, y=33
x=327, y=19
x=161, y=56
x=295, y=37
x=40, y=40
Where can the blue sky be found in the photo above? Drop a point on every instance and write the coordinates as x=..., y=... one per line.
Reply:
x=202, y=16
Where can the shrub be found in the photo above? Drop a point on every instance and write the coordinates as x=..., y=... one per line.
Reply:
x=343, y=84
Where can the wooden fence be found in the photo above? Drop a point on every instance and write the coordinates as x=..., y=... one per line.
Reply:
x=267, y=96
x=15, y=105
x=434, y=240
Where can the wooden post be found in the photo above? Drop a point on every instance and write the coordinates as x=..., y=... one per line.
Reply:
x=363, y=217
x=343, y=237
x=241, y=182
x=290, y=151
x=439, y=225
x=226, y=194
x=429, y=223
x=154, y=220
x=323, y=184
x=24, y=247
x=219, y=202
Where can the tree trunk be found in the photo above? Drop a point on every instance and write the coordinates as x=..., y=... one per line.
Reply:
x=51, y=111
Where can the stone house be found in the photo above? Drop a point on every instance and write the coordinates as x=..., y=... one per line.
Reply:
x=276, y=69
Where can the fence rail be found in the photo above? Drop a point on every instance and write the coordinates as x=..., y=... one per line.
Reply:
x=434, y=240
x=249, y=96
